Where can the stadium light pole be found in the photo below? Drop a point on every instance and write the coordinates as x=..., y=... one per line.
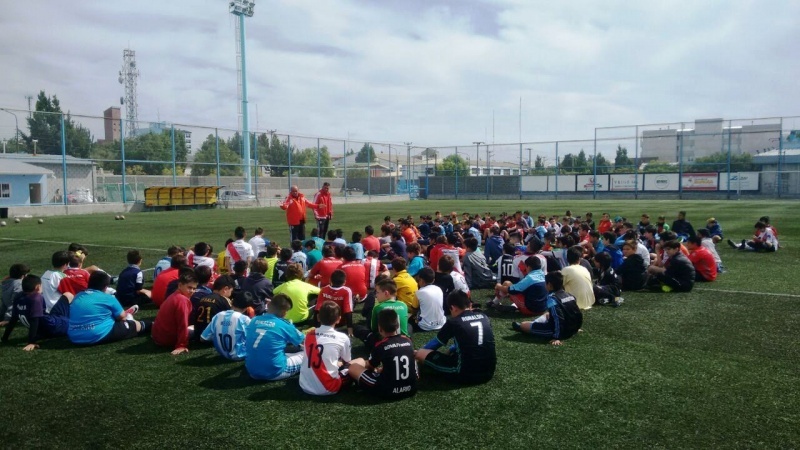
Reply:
x=16, y=130
x=242, y=9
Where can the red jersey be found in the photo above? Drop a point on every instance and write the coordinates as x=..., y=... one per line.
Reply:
x=171, y=327
x=371, y=243
x=320, y=274
x=409, y=235
x=357, y=278
x=342, y=296
x=75, y=280
x=373, y=267
x=159, y=291
x=603, y=226
x=436, y=254
x=704, y=263
x=323, y=205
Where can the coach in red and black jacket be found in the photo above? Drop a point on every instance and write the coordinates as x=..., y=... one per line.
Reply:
x=295, y=206
x=323, y=210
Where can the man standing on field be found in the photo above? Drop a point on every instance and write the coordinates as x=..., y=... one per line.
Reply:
x=324, y=208
x=295, y=206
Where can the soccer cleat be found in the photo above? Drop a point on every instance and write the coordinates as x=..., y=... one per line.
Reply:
x=617, y=301
x=516, y=326
x=603, y=301
x=132, y=310
x=732, y=244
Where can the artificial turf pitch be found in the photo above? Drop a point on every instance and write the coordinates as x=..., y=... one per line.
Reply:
x=717, y=367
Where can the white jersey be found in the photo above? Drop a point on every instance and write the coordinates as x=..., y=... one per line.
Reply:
x=324, y=347
x=227, y=331
x=431, y=311
x=300, y=258
x=243, y=249
x=258, y=244
x=708, y=243
x=162, y=264
x=453, y=253
x=768, y=237
x=642, y=251
x=459, y=282
x=519, y=270
x=50, y=281
x=211, y=263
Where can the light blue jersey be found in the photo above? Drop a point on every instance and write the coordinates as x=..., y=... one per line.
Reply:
x=228, y=331
x=267, y=336
x=92, y=316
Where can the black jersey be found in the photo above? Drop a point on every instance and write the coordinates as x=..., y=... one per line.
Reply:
x=279, y=273
x=207, y=308
x=505, y=269
x=445, y=283
x=474, y=339
x=565, y=314
x=395, y=355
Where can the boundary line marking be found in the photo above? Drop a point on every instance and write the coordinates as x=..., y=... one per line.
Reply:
x=88, y=245
x=747, y=292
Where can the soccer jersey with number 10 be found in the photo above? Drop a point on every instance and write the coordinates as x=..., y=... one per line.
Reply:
x=324, y=347
x=227, y=331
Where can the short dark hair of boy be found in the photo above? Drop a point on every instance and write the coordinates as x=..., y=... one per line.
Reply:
x=239, y=233
x=75, y=247
x=29, y=284
x=328, y=251
x=609, y=236
x=17, y=271
x=369, y=230
x=585, y=227
x=533, y=263
x=297, y=245
x=329, y=313
x=178, y=261
x=372, y=254
x=459, y=299
x=555, y=279
x=630, y=235
x=595, y=234
x=534, y=245
x=509, y=249
x=331, y=235
x=174, y=250
x=630, y=244
x=427, y=275
x=696, y=240
x=356, y=236
x=240, y=267
x=258, y=231
x=413, y=248
x=668, y=236
x=764, y=219
x=203, y=274
x=604, y=259
x=281, y=303
x=201, y=249
x=310, y=244
x=339, y=233
x=388, y=321
x=285, y=254
x=349, y=254
x=651, y=229
x=186, y=276
x=574, y=255
x=682, y=214
x=760, y=225
x=134, y=257
x=452, y=239
x=239, y=301
x=627, y=225
x=294, y=272
x=703, y=232
x=399, y=264
x=229, y=241
x=259, y=266
x=60, y=258
x=672, y=245
x=471, y=243
x=397, y=235
x=99, y=281
x=338, y=277
x=75, y=260
x=223, y=282
x=446, y=264
x=272, y=251
x=386, y=284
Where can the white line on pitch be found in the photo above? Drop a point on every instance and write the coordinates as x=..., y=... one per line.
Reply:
x=88, y=245
x=748, y=292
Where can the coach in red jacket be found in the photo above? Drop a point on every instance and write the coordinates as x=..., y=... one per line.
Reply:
x=295, y=206
x=324, y=208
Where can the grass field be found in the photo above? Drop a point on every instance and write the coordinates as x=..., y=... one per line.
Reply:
x=717, y=367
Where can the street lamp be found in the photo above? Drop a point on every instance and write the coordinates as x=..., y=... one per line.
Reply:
x=16, y=129
x=34, y=146
x=242, y=9
x=477, y=156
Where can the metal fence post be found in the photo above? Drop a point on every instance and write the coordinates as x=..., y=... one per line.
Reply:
x=488, y=171
x=216, y=141
x=174, y=168
x=344, y=145
x=255, y=158
x=680, y=161
x=594, y=168
x=409, y=166
x=289, y=149
x=122, y=155
x=319, y=165
x=728, y=193
x=780, y=160
x=64, y=157
x=635, y=167
x=369, y=162
x=520, y=171
x=557, y=170
x=456, y=171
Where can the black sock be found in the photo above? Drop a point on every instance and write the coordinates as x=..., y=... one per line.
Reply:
x=516, y=326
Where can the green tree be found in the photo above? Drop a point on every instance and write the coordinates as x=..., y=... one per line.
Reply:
x=366, y=154
x=538, y=164
x=276, y=155
x=157, y=147
x=454, y=165
x=107, y=155
x=718, y=162
x=309, y=158
x=581, y=162
x=603, y=165
x=235, y=144
x=205, y=160
x=660, y=166
x=567, y=164
x=622, y=163
x=44, y=127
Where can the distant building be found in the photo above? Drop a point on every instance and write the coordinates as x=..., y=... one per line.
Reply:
x=111, y=122
x=709, y=136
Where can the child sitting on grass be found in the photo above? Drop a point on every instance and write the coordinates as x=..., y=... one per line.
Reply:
x=171, y=326
x=267, y=338
x=391, y=371
x=11, y=287
x=385, y=291
x=339, y=294
x=29, y=308
x=563, y=318
x=607, y=288
x=228, y=328
x=327, y=353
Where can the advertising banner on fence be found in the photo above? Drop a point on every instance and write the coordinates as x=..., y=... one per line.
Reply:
x=590, y=183
x=534, y=184
x=664, y=182
x=740, y=181
x=700, y=181
x=626, y=182
x=566, y=183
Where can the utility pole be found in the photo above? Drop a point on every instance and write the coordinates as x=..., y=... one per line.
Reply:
x=477, y=156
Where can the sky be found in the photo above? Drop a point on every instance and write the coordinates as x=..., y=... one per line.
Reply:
x=431, y=72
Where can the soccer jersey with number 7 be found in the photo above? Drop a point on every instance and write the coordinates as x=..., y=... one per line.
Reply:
x=324, y=347
x=267, y=336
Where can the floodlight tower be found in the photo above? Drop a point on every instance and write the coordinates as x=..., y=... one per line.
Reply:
x=127, y=77
x=242, y=9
